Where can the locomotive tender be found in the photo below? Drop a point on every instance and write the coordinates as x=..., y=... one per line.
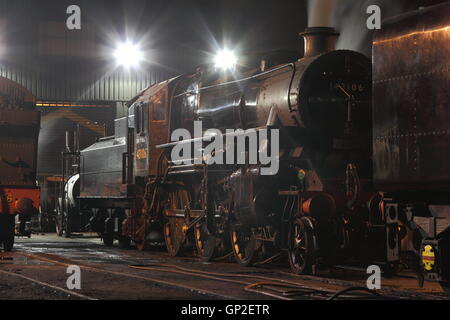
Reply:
x=322, y=206
x=411, y=132
x=19, y=130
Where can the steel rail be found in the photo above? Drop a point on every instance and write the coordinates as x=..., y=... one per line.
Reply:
x=118, y=273
x=48, y=285
x=192, y=272
x=238, y=275
x=248, y=286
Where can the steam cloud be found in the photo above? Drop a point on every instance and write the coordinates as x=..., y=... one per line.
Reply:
x=320, y=13
x=349, y=18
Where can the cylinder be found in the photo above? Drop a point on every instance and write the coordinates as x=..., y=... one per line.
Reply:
x=321, y=205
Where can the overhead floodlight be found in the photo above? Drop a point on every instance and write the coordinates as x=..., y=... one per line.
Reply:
x=225, y=60
x=128, y=55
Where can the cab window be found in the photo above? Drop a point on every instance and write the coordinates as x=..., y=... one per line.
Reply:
x=137, y=118
x=158, y=105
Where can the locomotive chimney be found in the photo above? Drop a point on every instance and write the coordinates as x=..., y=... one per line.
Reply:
x=319, y=40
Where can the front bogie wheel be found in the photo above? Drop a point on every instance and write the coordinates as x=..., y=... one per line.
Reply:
x=205, y=241
x=301, y=248
x=244, y=245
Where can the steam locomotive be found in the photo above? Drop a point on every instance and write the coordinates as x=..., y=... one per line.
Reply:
x=19, y=130
x=321, y=206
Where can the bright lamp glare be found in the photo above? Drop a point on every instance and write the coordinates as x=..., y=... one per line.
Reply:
x=128, y=55
x=225, y=60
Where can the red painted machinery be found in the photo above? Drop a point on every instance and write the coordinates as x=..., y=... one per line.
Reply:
x=19, y=130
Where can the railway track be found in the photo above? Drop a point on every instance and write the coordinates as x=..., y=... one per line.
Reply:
x=48, y=285
x=261, y=285
x=120, y=274
x=248, y=286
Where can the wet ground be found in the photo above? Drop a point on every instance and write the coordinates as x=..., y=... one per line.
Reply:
x=37, y=269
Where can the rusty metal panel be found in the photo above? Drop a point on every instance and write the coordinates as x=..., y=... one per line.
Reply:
x=19, y=129
x=17, y=156
x=411, y=79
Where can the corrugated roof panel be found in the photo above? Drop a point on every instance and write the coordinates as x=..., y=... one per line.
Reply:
x=81, y=81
